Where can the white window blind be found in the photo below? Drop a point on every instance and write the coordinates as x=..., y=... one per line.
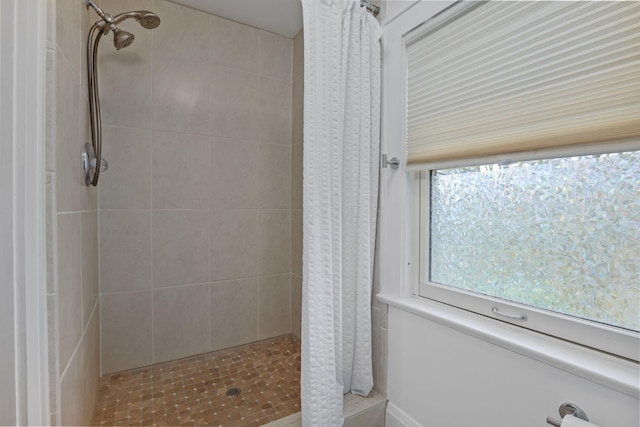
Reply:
x=505, y=77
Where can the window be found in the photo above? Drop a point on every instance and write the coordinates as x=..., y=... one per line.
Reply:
x=525, y=138
x=559, y=234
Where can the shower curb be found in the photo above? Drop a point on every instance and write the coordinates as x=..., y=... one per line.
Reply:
x=358, y=412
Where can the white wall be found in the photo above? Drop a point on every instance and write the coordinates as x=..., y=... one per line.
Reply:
x=23, y=395
x=451, y=368
x=442, y=377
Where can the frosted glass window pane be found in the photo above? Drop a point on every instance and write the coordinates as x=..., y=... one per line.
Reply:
x=559, y=234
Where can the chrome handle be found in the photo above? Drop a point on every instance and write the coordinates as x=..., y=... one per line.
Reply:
x=509, y=316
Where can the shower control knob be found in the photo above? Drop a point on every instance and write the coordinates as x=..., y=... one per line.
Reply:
x=92, y=165
x=104, y=166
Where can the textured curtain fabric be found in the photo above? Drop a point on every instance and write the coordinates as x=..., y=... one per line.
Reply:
x=341, y=161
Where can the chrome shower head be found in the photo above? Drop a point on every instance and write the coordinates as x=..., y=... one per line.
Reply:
x=122, y=39
x=148, y=20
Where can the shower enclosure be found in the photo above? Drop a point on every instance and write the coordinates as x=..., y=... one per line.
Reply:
x=191, y=241
x=195, y=211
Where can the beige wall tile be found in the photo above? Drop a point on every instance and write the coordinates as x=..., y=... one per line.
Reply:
x=183, y=33
x=181, y=171
x=296, y=182
x=125, y=87
x=69, y=284
x=235, y=103
x=127, y=183
x=89, y=264
x=85, y=25
x=84, y=124
x=125, y=251
x=91, y=366
x=298, y=55
x=51, y=232
x=180, y=322
x=296, y=176
x=72, y=194
x=234, y=313
x=375, y=345
x=180, y=247
x=275, y=176
x=51, y=24
x=234, y=45
x=274, y=241
x=275, y=56
x=296, y=242
x=383, y=310
x=87, y=195
x=275, y=111
x=52, y=355
x=50, y=111
x=126, y=74
x=274, y=306
x=125, y=330
x=234, y=236
x=181, y=95
x=297, y=111
x=296, y=305
x=68, y=32
x=234, y=174
x=54, y=418
x=72, y=392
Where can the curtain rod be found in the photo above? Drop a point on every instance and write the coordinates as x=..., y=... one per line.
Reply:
x=375, y=10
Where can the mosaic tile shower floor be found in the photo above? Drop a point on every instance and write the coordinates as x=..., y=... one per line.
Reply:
x=192, y=392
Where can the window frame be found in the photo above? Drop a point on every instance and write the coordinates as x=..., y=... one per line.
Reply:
x=610, y=339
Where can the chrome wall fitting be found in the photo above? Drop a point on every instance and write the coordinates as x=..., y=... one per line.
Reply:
x=393, y=162
x=568, y=410
x=90, y=164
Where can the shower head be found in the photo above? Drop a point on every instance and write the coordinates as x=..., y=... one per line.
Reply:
x=148, y=20
x=122, y=39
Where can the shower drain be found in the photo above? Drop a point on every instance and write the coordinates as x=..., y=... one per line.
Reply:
x=233, y=392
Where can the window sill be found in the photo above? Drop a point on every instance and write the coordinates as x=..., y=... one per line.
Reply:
x=610, y=371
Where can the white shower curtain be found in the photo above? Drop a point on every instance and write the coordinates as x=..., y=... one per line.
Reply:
x=341, y=161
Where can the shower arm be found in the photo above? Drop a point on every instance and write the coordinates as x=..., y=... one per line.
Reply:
x=107, y=20
x=126, y=15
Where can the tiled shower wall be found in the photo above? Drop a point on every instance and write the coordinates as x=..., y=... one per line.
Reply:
x=296, y=182
x=72, y=222
x=195, y=210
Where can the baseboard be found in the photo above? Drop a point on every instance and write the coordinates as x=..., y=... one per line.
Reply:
x=396, y=417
